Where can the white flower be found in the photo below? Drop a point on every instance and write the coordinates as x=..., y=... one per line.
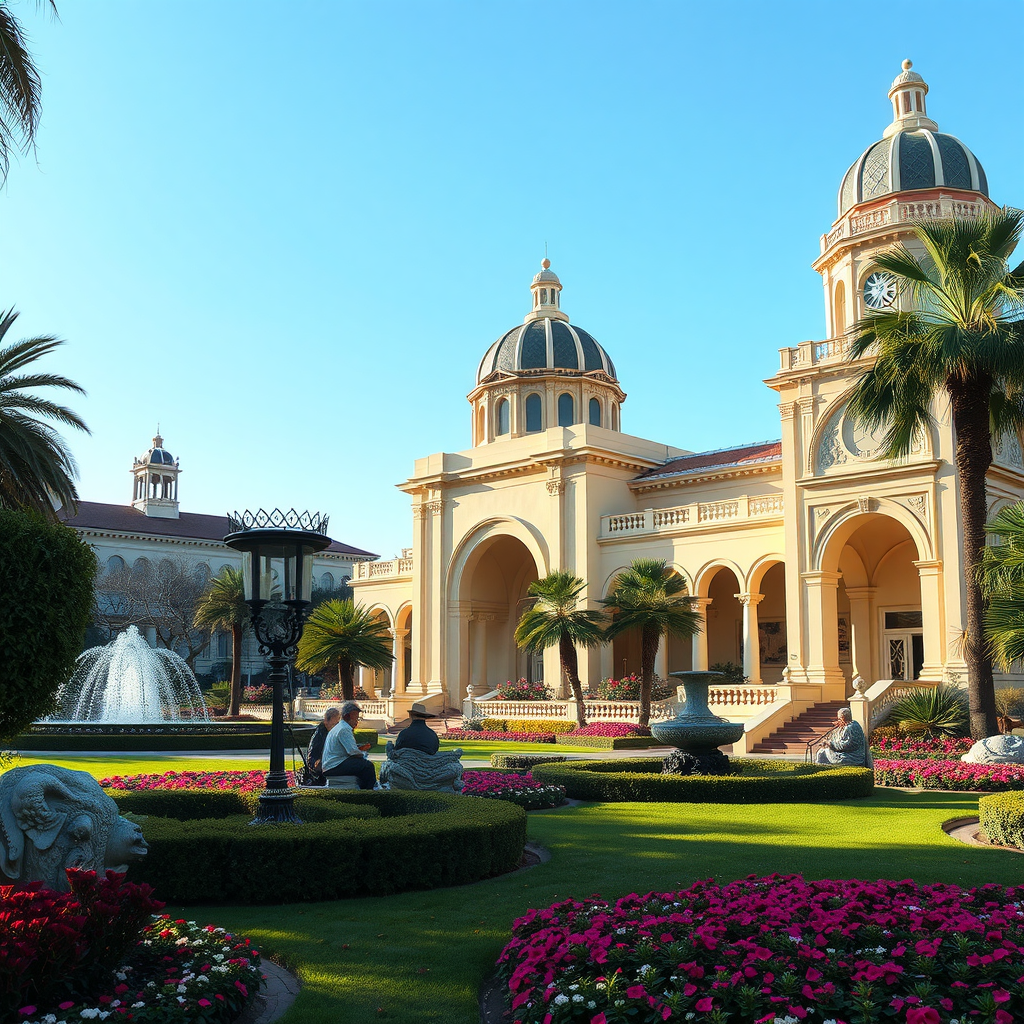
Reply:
x=620, y=931
x=572, y=988
x=50, y=1018
x=182, y=999
x=601, y=986
x=121, y=975
x=620, y=1002
x=577, y=998
x=646, y=968
x=181, y=988
x=560, y=1000
x=140, y=1004
x=591, y=1005
x=202, y=977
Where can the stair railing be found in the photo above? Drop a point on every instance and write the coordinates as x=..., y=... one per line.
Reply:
x=813, y=745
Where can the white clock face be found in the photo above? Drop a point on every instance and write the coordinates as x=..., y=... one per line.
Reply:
x=880, y=290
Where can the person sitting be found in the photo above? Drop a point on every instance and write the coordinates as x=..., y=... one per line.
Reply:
x=417, y=735
x=314, y=775
x=342, y=755
x=845, y=744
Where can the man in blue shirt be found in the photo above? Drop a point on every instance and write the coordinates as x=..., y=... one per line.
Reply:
x=342, y=755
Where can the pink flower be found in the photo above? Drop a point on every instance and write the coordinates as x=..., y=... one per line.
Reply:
x=923, y=1015
x=205, y=1002
x=635, y=992
x=599, y=1018
x=245, y=992
x=65, y=1005
x=704, y=1005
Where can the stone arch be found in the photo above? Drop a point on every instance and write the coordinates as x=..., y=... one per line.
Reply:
x=758, y=570
x=708, y=572
x=843, y=524
x=486, y=530
x=839, y=310
x=382, y=610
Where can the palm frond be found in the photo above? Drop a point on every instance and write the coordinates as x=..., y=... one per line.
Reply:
x=339, y=631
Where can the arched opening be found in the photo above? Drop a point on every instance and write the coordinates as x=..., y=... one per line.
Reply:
x=566, y=410
x=770, y=614
x=534, y=413
x=115, y=564
x=481, y=436
x=877, y=629
x=403, y=648
x=724, y=620
x=492, y=594
x=615, y=417
x=595, y=412
x=377, y=683
x=503, y=416
x=839, y=311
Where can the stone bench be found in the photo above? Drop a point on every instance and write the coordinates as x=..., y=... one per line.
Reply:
x=341, y=782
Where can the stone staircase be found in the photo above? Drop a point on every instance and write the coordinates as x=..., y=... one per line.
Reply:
x=792, y=739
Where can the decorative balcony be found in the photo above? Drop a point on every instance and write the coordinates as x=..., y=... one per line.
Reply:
x=394, y=569
x=658, y=521
x=814, y=353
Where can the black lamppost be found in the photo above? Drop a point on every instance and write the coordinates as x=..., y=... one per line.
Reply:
x=277, y=570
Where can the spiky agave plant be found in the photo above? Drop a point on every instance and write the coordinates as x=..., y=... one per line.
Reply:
x=931, y=712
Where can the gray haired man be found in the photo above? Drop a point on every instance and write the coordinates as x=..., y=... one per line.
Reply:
x=845, y=744
x=342, y=755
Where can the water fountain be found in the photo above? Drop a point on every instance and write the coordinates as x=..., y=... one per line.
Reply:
x=696, y=731
x=129, y=682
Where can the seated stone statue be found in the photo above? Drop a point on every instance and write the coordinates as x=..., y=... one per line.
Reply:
x=409, y=768
x=996, y=750
x=55, y=818
x=845, y=744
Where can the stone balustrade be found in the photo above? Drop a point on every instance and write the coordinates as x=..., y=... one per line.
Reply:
x=595, y=710
x=883, y=693
x=683, y=517
x=392, y=569
x=314, y=709
x=742, y=696
x=812, y=353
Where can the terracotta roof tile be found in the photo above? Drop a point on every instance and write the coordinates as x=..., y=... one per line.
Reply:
x=766, y=451
x=95, y=515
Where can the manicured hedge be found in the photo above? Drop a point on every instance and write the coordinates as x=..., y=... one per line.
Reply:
x=223, y=803
x=1002, y=818
x=415, y=841
x=757, y=782
x=555, y=725
x=518, y=762
x=609, y=742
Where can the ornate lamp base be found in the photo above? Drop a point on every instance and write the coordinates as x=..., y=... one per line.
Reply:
x=276, y=806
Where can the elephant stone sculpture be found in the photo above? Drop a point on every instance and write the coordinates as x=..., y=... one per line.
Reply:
x=54, y=818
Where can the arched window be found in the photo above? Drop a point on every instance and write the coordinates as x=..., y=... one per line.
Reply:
x=566, y=410
x=543, y=295
x=839, y=311
x=615, y=417
x=481, y=436
x=327, y=581
x=534, y=413
x=595, y=412
x=115, y=563
x=503, y=411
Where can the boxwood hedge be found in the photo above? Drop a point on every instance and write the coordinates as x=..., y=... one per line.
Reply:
x=1002, y=818
x=524, y=762
x=757, y=781
x=386, y=842
x=609, y=742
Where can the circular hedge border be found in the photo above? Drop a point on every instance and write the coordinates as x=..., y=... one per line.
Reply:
x=370, y=843
x=758, y=781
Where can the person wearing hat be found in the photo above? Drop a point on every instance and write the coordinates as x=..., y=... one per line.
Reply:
x=342, y=755
x=417, y=734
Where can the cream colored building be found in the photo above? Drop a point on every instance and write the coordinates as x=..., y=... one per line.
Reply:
x=804, y=554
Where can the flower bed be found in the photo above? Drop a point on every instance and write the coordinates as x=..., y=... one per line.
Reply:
x=243, y=782
x=904, y=748
x=774, y=949
x=521, y=689
x=615, y=729
x=97, y=952
x=523, y=790
x=754, y=781
x=575, y=739
x=555, y=725
x=958, y=775
x=468, y=735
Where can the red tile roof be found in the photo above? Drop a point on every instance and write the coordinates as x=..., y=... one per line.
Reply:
x=766, y=451
x=95, y=515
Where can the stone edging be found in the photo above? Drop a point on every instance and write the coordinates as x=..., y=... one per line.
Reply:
x=967, y=831
x=276, y=996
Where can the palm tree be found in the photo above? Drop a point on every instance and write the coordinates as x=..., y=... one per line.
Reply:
x=20, y=88
x=650, y=596
x=345, y=634
x=223, y=607
x=962, y=340
x=37, y=470
x=1002, y=580
x=554, y=619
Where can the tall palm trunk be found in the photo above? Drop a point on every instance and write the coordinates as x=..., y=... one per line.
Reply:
x=235, y=698
x=348, y=684
x=571, y=671
x=650, y=639
x=970, y=402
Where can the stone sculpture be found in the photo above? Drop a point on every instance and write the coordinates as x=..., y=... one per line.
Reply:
x=409, y=768
x=996, y=750
x=54, y=818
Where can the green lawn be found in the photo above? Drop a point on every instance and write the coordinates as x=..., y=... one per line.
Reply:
x=420, y=957
x=477, y=750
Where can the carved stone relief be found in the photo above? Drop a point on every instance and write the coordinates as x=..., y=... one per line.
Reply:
x=1006, y=450
x=845, y=440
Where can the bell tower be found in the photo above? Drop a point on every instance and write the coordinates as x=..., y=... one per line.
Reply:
x=155, y=474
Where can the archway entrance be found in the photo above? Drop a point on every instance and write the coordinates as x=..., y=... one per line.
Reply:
x=879, y=628
x=724, y=621
x=491, y=598
x=378, y=683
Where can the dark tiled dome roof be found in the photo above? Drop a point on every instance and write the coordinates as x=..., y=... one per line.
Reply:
x=545, y=344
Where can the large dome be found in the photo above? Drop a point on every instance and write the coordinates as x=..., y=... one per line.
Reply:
x=912, y=153
x=542, y=345
x=545, y=341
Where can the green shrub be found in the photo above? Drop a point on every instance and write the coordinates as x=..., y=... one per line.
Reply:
x=45, y=603
x=414, y=841
x=555, y=725
x=523, y=762
x=931, y=712
x=1010, y=701
x=732, y=674
x=609, y=742
x=890, y=731
x=189, y=804
x=1002, y=818
x=756, y=782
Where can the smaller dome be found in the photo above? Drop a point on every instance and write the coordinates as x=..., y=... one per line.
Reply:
x=160, y=455
x=906, y=75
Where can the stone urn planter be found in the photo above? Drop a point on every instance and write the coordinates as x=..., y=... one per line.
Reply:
x=696, y=731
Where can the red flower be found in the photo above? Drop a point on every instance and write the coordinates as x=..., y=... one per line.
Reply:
x=923, y=1015
x=704, y=1005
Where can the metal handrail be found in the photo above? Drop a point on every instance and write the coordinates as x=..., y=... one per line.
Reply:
x=812, y=744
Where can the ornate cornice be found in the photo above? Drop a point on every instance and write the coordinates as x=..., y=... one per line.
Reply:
x=699, y=477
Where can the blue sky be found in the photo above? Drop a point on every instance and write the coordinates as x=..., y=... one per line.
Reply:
x=288, y=232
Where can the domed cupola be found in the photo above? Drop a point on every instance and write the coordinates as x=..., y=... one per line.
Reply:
x=912, y=153
x=155, y=491
x=544, y=372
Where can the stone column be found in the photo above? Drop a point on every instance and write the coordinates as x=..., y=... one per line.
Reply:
x=365, y=681
x=930, y=575
x=478, y=684
x=751, y=637
x=700, y=640
x=398, y=665
x=607, y=661
x=822, y=590
x=863, y=649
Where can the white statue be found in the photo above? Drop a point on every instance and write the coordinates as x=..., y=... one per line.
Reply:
x=54, y=818
x=996, y=750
